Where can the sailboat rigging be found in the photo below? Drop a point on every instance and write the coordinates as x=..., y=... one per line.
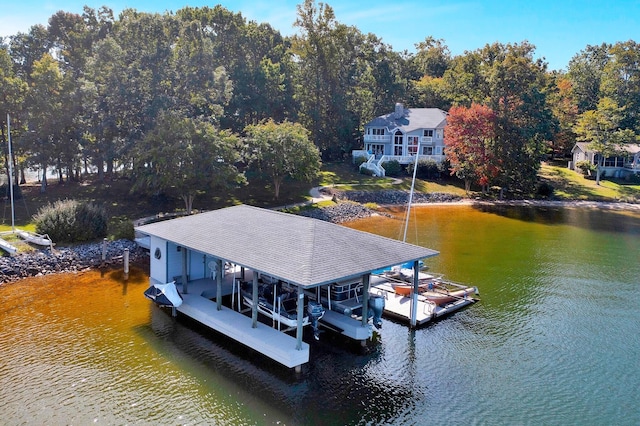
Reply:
x=31, y=237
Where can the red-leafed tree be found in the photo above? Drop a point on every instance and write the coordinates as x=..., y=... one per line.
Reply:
x=468, y=139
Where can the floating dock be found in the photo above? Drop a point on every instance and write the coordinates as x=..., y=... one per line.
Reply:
x=399, y=306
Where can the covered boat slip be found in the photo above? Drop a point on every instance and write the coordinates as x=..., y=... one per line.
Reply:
x=304, y=253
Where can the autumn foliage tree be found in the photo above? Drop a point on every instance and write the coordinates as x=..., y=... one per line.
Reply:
x=468, y=138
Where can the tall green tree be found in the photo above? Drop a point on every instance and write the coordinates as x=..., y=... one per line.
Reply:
x=185, y=157
x=46, y=100
x=621, y=82
x=585, y=73
x=12, y=95
x=282, y=150
x=326, y=53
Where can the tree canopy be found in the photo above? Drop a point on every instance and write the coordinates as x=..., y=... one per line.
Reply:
x=90, y=92
x=281, y=150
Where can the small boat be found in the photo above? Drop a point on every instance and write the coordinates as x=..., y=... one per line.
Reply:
x=33, y=238
x=8, y=247
x=433, y=288
x=346, y=298
x=280, y=303
x=164, y=295
x=435, y=298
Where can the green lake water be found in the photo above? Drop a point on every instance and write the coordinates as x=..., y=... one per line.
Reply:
x=555, y=339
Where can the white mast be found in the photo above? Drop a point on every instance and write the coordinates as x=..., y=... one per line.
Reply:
x=413, y=182
x=13, y=227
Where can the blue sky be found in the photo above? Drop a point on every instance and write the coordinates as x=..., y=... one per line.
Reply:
x=558, y=28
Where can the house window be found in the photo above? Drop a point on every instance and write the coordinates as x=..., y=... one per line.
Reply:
x=427, y=150
x=439, y=133
x=397, y=143
x=377, y=132
x=428, y=133
x=412, y=142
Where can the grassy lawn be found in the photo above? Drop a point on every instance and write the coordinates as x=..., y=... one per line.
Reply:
x=571, y=185
x=122, y=206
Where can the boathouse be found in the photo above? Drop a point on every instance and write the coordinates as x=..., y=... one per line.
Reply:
x=197, y=252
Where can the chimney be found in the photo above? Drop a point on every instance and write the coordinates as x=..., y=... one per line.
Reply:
x=399, y=112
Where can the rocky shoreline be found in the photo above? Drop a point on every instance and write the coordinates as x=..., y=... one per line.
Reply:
x=68, y=259
x=351, y=205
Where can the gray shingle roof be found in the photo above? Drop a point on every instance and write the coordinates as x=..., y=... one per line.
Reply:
x=413, y=119
x=297, y=249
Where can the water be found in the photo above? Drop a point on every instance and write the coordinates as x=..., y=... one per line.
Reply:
x=554, y=340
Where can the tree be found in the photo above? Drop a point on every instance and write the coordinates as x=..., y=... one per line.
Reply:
x=585, y=73
x=601, y=129
x=186, y=157
x=468, y=139
x=46, y=99
x=327, y=54
x=432, y=57
x=282, y=150
x=563, y=105
x=621, y=82
x=12, y=93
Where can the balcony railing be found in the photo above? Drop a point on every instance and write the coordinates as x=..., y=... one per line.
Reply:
x=377, y=138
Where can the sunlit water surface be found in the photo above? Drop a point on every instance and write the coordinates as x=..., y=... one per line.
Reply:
x=555, y=339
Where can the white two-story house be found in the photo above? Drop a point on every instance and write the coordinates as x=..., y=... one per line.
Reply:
x=401, y=135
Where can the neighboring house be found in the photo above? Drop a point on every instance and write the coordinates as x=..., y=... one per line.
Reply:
x=618, y=167
x=401, y=135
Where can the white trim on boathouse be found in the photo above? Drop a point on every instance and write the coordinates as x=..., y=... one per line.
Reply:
x=307, y=253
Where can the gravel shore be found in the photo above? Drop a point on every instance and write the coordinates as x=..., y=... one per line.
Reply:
x=68, y=259
x=351, y=204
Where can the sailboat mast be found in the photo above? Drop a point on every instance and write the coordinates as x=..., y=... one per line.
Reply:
x=10, y=180
x=413, y=183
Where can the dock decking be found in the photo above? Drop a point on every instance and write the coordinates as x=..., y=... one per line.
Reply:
x=197, y=304
x=268, y=341
x=399, y=306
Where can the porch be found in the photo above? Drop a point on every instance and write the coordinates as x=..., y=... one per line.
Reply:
x=374, y=163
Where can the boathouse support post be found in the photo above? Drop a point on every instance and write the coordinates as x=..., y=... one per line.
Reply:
x=254, y=308
x=219, y=284
x=414, y=293
x=300, y=317
x=365, y=300
x=184, y=270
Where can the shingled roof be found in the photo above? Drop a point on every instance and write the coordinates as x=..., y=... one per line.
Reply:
x=411, y=119
x=305, y=251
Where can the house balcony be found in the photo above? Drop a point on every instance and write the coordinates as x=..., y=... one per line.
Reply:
x=410, y=159
x=377, y=138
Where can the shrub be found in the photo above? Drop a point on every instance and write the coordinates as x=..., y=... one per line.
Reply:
x=71, y=221
x=586, y=167
x=122, y=228
x=427, y=169
x=359, y=160
x=544, y=190
x=392, y=168
x=366, y=171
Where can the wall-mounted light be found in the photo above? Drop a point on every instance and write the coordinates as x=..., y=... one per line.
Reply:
x=179, y=248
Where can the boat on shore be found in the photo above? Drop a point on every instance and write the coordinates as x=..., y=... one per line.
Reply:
x=34, y=238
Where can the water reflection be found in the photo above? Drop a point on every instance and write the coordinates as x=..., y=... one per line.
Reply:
x=551, y=341
x=618, y=221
